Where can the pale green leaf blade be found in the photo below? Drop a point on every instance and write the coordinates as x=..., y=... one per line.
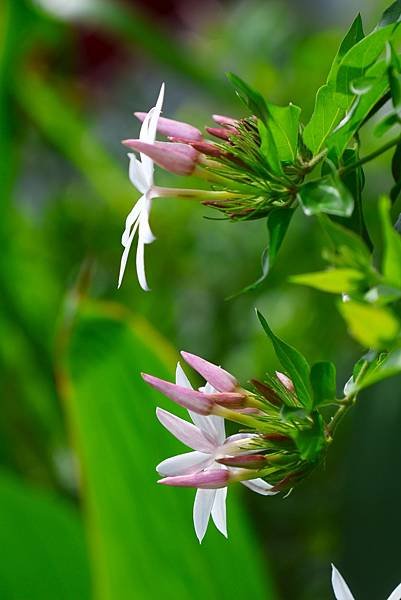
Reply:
x=372, y=326
x=391, y=262
x=335, y=281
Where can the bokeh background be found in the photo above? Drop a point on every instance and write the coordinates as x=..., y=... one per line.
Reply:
x=81, y=516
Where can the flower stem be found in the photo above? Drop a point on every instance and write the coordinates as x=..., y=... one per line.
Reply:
x=369, y=157
x=346, y=403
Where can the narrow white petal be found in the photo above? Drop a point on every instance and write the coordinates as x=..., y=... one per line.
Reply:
x=152, y=129
x=219, y=511
x=136, y=174
x=146, y=232
x=148, y=135
x=125, y=254
x=202, y=507
x=180, y=377
x=132, y=220
x=396, y=595
x=340, y=588
x=260, y=486
x=140, y=262
x=183, y=464
x=187, y=433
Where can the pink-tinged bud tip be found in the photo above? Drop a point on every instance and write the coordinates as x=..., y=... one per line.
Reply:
x=180, y=159
x=220, y=132
x=224, y=121
x=213, y=479
x=249, y=461
x=193, y=399
x=220, y=379
x=286, y=381
x=170, y=127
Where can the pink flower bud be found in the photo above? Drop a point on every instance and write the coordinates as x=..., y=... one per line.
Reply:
x=220, y=379
x=217, y=478
x=208, y=149
x=224, y=121
x=220, y=132
x=194, y=400
x=286, y=381
x=174, y=128
x=176, y=158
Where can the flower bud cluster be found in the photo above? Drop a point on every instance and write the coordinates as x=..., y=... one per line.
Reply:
x=272, y=443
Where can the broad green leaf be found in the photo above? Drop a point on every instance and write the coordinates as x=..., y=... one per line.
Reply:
x=391, y=262
x=283, y=123
x=323, y=381
x=326, y=114
x=349, y=248
x=277, y=225
x=293, y=362
x=386, y=124
x=372, y=326
x=326, y=196
x=269, y=149
x=335, y=281
x=141, y=534
x=44, y=554
x=311, y=441
x=385, y=366
x=251, y=98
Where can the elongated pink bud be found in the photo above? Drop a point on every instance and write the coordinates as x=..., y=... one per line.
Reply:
x=220, y=132
x=248, y=461
x=208, y=149
x=212, y=479
x=174, y=128
x=223, y=120
x=193, y=399
x=180, y=159
x=286, y=381
x=220, y=379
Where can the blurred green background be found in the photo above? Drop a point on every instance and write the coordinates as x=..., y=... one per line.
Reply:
x=81, y=516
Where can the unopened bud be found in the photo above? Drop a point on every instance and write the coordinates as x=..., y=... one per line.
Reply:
x=286, y=381
x=170, y=127
x=267, y=392
x=249, y=461
x=180, y=159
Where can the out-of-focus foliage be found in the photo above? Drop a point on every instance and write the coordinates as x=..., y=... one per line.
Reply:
x=67, y=91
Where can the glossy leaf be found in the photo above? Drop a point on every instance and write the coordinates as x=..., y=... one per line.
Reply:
x=137, y=526
x=293, y=362
x=385, y=366
x=311, y=441
x=323, y=381
x=391, y=262
x=251, y=98
x=326, y=196
x=335, y=281
x=283, y=123
x=348, y=248
x=372, y=326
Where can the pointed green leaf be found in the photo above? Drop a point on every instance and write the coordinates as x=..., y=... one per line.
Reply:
x=349, y=247
x=311, y=441
x=293, y=362
x=326, y=196
x=323, y=381
x=391, y=263
x=251, y=98
x=372, y=326
x=335, y=281
x=284, y=126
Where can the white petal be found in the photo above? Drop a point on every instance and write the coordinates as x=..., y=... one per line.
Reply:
x=187, y=433
x=148, y=134
x=146, y=232
x=152, y=129
x=132, y=219
x=180, y=377
x=136, y=174
x=183, y=464
x=340, y=588
x=260, y=486
x=202, y=507
x=219, y=511
x=125, y=254
x=396, y=595
x=140, y=263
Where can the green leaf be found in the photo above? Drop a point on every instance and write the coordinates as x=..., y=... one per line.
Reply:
x=323, y=381
x=311, y=441
x=391, y=14
x=293, y=362
x=44, y=551
x=119, y=443
x=354, y=35
x=283, y=123
x=277, y=225
x=268, y=148
x=251, y=98
x=372, y=326
x=386, y=365
x=326, y=196
x=391, y=262
x=348, y=247
x=335, y=281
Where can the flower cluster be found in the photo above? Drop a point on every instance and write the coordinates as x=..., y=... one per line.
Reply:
x=264, y=456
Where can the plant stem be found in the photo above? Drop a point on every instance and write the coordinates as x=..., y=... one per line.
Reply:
x=346, y=403
x=369, y=157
